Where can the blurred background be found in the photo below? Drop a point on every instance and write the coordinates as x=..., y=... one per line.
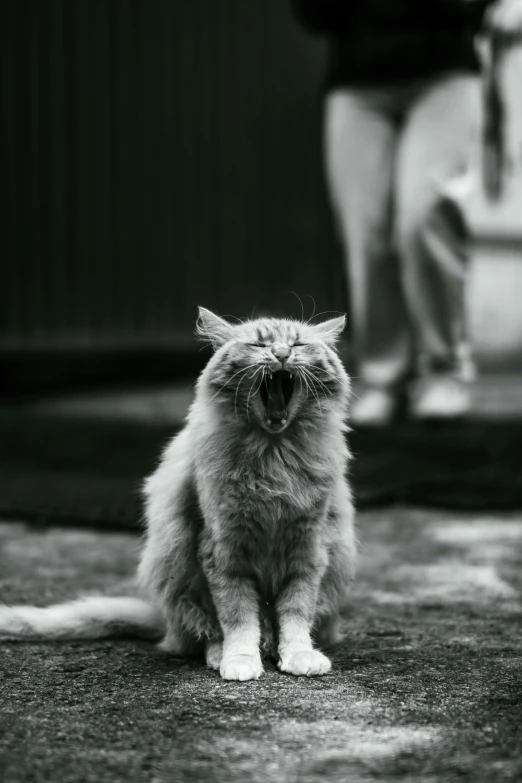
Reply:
x=156, y=156
x=160, y=155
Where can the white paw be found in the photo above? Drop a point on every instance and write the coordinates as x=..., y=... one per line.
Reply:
x=213, y=655
x=305, y=663
x=241, y=667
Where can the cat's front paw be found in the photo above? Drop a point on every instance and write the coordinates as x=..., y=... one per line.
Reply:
x=305, y=663
x=241, y=667
x=213, y=655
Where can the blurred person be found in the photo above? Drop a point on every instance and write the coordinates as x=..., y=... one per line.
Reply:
x=402, y=122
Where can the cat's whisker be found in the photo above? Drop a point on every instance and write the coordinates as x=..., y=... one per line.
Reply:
x=324, y=370
x=235, y=317
x=333, y=378
x=300, y=302
x=312, y=386
x=252, y=386
x=252, y=376
x=326, y=391
x=324, y=312
x=242, y=369
x=238, y=386
x=302, y=379
x=322, y=387
x=313, y=309
x=305, y=376
x=318, y=368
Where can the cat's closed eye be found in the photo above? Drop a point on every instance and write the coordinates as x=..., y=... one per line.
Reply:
x=264, y=345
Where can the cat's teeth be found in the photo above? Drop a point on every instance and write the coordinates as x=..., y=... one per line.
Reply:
x=269, y=422
x=291, y=375
x=271, y=375
x=283, y=421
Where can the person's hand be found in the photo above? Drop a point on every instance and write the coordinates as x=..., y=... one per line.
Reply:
x=505, y=17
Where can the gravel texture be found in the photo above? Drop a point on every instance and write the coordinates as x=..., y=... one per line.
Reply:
x=426, y=687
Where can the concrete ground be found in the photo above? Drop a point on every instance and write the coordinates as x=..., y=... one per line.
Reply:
x=426, y=687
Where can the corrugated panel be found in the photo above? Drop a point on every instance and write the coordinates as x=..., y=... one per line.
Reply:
x=156, y=155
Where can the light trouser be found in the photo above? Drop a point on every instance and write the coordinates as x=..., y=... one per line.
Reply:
x=397, y=161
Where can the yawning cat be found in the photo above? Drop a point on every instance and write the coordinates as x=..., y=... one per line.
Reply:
x=250, y=540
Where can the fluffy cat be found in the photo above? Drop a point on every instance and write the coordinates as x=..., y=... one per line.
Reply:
x=250, y=539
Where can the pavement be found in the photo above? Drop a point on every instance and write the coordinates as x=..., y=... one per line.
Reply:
x=425, y=688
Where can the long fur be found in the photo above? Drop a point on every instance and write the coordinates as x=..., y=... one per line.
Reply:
x=86, y=618
x=232, y=500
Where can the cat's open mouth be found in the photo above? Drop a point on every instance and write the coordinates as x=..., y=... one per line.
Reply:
x=276, y=392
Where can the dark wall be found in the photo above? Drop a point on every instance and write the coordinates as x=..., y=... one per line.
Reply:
x=158, y=154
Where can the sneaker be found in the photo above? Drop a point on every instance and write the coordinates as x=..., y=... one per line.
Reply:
x=443, y=397
x=374, y=408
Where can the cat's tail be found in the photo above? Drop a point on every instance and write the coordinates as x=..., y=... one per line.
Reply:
x=86, y=618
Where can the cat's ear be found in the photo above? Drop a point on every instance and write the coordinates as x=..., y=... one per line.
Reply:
x=211, y=327
x=330, y=331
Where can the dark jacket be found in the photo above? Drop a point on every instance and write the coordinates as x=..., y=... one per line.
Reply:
x=380, y=41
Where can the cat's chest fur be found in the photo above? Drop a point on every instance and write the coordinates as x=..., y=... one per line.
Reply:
x=265, y=483
x=265, y=502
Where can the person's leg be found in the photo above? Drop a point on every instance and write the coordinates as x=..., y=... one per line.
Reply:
x=360, y=146
x=435, y=153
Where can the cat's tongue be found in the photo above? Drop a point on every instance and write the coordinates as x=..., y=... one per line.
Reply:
x=275, y=405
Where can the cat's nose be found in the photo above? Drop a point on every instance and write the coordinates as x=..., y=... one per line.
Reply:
x=281, y=352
